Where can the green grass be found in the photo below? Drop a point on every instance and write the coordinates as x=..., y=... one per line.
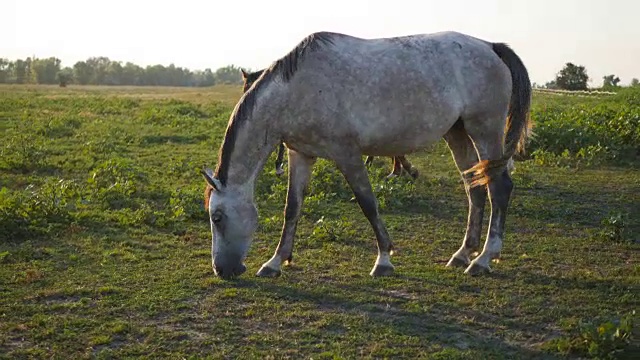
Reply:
x=104, y=245
x=587, y=131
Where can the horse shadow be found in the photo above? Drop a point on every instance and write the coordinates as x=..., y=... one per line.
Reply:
x=433, y=327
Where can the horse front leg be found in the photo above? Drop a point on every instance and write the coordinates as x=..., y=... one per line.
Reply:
x=356, y=175
x=299, y=174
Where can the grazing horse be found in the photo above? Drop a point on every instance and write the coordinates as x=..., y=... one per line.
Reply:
x=399, y=162
x=340, y=97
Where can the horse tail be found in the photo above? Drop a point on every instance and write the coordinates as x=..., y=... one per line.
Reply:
x=519, y=122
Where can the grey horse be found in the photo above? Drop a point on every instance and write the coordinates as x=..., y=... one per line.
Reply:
x=340, y=97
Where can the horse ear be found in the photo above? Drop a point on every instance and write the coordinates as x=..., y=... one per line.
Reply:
x=244, y=74
x=210, y=179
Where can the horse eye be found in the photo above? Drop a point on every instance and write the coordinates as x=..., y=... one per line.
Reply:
x=217, y=216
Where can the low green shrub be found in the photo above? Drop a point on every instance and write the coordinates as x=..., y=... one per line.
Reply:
x=608, y=339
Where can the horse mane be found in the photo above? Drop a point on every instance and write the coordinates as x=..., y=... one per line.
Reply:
x=284, y=69
x=207, y=195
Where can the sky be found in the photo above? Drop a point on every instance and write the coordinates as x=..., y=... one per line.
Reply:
x=602, y=35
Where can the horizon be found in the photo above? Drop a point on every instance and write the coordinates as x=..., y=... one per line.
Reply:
x=206, y=35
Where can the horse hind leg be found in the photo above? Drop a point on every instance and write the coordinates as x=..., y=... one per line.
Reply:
x=511, y=165
x=408, y=167
x=500, y=188
x=495, y=177
x=397, y=168
x=279, y=160
x=465, y=156
x=369, y=160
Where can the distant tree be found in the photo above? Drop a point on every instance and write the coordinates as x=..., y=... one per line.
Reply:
x=46, y=70
x=65, y=76
x=635, y=82
x=20, y=70
x=203, y=78
x=155, y=75
x=113, y=73
x=209, y=78
x=177, y=76
x=30, y=71
x=572, y=77
x=82, y=73
x=610, y=81
x=551, y=85
x=228, y=75
x=132, y=74
x=100, y=66
x=6, y=68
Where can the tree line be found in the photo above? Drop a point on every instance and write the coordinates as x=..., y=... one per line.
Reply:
x=574, y=77
x=103, y=71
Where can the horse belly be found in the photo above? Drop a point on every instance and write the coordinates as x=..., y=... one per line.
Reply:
x=401, y=140
x=402, y=121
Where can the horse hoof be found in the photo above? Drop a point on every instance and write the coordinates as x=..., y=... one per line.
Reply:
x=414, y=174
x=381, y=270
x=279, y=171
x=457, y=262
x=268, y=272
x=392, y=175
x=476, y=269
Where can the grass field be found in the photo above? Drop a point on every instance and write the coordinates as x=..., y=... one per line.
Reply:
x=105, y=245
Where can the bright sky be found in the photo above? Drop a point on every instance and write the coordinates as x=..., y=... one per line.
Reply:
x=602, y=35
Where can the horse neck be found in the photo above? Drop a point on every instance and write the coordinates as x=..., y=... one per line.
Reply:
x=256, y=138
